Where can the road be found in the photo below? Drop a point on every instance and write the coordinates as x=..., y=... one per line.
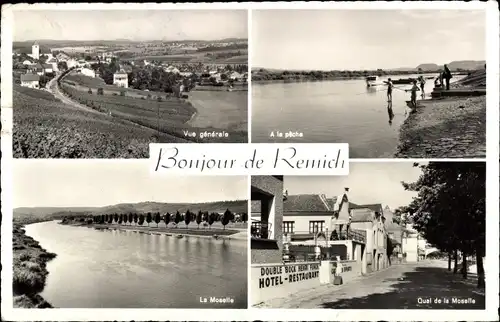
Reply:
x=400, y=286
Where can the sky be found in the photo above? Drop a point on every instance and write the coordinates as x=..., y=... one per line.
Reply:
x=368, y=183
x=169, y=25
x=365, y=39
x=80, y=183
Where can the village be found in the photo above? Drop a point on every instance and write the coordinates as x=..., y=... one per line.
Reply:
x=35, y=69
x=321, y=251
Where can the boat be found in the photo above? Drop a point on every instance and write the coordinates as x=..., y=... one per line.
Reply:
x=179, y=236
x=371, y=81
x=403, y=81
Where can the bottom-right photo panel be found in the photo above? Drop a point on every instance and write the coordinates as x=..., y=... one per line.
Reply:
x=390, y=235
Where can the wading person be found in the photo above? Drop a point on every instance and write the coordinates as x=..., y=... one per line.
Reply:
x=447, y=76
x=413, y=90
x=422, y=85
x=389, y=90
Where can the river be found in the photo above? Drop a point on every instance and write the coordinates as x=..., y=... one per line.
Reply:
x=125, y=269
x=338, y=111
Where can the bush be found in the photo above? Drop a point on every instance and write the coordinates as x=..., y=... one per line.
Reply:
x=114, y=94
x=90, y=91
x=100, y=91
x=122, y=93
x=159, y=99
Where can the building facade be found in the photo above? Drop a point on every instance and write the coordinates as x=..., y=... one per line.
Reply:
x=267, y=217
x=30, y=80
x=120, y=79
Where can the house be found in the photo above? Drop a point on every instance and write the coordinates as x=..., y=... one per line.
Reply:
x=35, y=51
x=62, y=57
x=410, y=244
x=120, y=79
x=71, y=63
x=37, y=69
x=30, y=80
x=47, y=68
x=370, y=219
x=88, y=72
x=53, y=62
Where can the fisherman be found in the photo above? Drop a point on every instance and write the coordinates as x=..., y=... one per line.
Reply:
x=389, y=90
x=414, y=90
x=422, y=85
x=447, y=76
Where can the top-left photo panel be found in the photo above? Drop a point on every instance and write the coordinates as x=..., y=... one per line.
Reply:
x=107, y=83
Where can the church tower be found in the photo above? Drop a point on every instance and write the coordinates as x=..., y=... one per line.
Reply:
x=35, y=51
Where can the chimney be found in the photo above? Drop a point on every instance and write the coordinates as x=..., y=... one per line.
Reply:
x=346, y=189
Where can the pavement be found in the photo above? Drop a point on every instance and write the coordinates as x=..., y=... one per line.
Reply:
x=422, y=285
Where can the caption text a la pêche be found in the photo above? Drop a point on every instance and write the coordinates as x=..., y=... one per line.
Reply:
x=289, y=157
x=286, y=134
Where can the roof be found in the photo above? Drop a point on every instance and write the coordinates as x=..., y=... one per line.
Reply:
x=121, y=73
x=47, y=65
x=29, y=77
x=361, y=215
x=374, y=207
x=331, y=202
x=306, y=203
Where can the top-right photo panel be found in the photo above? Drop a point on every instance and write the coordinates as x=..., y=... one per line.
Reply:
x=391, y=83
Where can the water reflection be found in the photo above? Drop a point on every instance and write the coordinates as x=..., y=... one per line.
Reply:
x=390, y=112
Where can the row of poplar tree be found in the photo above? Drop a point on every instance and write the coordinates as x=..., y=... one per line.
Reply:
x=188, y=217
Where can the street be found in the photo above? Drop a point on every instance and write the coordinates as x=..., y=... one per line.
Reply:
x=422, y=285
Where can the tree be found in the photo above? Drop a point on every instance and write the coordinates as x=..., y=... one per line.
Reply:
x=125, y=219
x=106, y=218
x=141, y=219
x=449, y=210
x=120, y=220
x=228, y=215
x=116, y=217
x=157, y=218
x=199, y=218
x=149, y=218
x=177, y=218
x=166, y=218
x=244, y=217
x=136, y=218
x=130, y=218
x=187, y=218
x=211, y=219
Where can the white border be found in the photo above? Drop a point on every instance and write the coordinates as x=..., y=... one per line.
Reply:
x=491, y=264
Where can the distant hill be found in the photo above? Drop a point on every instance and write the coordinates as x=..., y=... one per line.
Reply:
x=455, y=65
x=238, y=206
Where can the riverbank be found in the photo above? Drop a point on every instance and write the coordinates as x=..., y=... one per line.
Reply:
x=445, y=128
x=29, y=270
x=216, y=233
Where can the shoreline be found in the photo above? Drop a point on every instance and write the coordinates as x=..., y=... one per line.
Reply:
x=29, y=269
x=452, y=127
x=219, y=234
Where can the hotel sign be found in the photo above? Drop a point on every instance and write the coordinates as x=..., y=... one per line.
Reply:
x=271, y=276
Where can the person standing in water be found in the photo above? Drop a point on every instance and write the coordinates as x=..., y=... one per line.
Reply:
x=422, y=85
x=414, y=90
x=447, y=76
x=389, y=90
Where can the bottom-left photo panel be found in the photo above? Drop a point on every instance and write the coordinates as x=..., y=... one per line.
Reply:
x=110, y=234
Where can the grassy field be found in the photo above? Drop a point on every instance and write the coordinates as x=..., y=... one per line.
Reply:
x=192, y=230
x=215, y=112
x=29, y=270
x=46, y=128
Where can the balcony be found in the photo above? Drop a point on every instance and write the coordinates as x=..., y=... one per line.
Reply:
x=355, y=235
x=260, y=229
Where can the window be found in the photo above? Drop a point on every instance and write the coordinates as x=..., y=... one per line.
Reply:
x=316, y=226
x=288, y=227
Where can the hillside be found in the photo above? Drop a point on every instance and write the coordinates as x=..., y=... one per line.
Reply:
x=44, y=127
x=455, y=65
x=24, y=213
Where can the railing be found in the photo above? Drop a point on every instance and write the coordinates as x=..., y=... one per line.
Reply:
x=260, y=229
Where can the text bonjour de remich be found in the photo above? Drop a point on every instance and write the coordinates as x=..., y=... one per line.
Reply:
x=283, y=158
